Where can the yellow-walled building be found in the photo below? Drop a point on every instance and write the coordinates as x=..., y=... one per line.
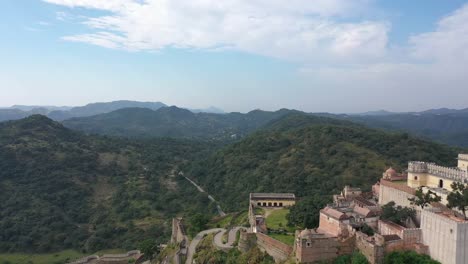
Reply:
x=272, y=199
x=437, y=178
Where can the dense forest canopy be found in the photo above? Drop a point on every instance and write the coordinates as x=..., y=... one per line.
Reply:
x=309, y=156
x=60, y=189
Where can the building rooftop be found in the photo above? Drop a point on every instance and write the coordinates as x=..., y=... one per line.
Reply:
x=363, y=201
x=363, y=211
x=391, y=237
x=272, y=196
x=331, y=212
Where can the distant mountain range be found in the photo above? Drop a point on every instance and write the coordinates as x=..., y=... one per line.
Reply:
x=438, y=111
x=156, y=119
x=449, y=127
x=60, y=113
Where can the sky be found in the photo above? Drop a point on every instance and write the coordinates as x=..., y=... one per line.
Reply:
x=340, y=56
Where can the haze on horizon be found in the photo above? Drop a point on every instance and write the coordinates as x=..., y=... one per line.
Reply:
x=337, y=56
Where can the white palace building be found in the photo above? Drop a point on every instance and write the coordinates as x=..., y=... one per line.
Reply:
x=443, y=231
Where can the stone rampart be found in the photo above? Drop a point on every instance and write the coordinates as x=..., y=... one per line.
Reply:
x=247, y=241
x=178, y=231
x=86, y=260
x=278, y=250
x=374, y=252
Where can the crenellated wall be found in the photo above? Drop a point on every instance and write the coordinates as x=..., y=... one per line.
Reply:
x=419, y=170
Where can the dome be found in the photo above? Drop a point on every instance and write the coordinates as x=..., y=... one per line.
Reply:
x=306, y=233
x=391, y=171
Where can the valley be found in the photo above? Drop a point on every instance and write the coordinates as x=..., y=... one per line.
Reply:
x=95, y=189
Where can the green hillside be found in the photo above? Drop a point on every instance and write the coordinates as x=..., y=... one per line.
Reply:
x=63, y=190
x=174, y=122
x=309, y=156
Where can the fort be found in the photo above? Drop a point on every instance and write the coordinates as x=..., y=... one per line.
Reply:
x=436, y=230
x=344, y=225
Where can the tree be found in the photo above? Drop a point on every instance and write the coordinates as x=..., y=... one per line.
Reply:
x=398, y=257
x=458, y=198
x=396, y=214
x=148, y=247
x=423, y=199
x=306, y=212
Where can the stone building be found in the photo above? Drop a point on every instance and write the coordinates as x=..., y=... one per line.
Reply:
x=314, y=246
x=272, y=199
x=443, y=233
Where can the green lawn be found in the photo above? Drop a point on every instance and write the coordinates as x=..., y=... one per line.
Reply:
x=287, y=239
x=277, y=220
x=50, y=258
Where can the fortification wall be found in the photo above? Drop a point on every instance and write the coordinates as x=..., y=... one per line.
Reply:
x=395, y=192
x=278, y=250
x=446, y=238
x=319, y=249
x=329, y=225
x=247, y=241
x=369, y=248
x=412, y=235
x=178, y=232
x=386, y=228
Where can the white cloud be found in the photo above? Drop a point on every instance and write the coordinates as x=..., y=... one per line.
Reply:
x=449, y=42
x=431, y=73
x=300, y=30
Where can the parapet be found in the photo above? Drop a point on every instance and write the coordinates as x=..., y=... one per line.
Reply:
x=455, y=174
x=463, y=157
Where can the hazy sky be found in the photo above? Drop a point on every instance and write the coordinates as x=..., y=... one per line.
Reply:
x=312, y=55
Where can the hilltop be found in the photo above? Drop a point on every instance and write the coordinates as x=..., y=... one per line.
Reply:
x=61, y=189
x=174, y=122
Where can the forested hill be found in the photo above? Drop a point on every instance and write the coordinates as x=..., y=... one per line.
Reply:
x=60, y=189
x=309, y=155
x=449, y=128
x=174, y=122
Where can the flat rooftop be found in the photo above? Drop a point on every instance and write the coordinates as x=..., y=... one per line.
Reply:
x=257, y=196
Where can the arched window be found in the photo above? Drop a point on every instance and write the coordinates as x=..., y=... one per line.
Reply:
x=441, y=184
x=415, y=178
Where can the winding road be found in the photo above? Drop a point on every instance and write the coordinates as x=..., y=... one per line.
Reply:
x=196, y=240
